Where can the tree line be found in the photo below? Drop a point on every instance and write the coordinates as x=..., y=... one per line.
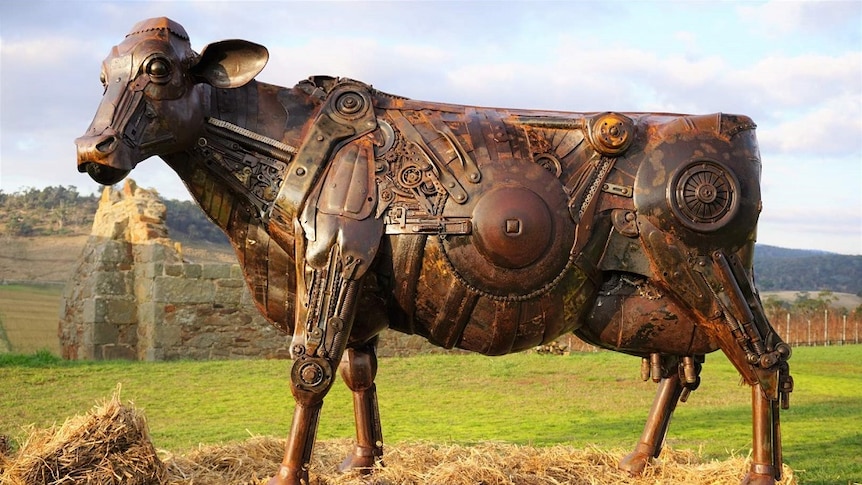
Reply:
x=47, y=211
x=60, y=210
x=792, y=269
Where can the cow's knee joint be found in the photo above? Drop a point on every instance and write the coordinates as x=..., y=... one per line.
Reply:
x=310, y=378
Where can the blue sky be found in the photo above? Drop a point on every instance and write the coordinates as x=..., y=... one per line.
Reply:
x=795, y=67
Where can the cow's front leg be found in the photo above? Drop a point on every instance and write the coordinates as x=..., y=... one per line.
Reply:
x=358, y=369
x=300, y=442
x=330, y=319
x=310, y=379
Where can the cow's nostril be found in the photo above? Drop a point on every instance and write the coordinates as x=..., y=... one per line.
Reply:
x=106, y=145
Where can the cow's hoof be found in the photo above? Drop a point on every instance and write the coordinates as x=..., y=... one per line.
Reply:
x=635, y=462
x=752, y=478
x=362, y=460
x=286, y=476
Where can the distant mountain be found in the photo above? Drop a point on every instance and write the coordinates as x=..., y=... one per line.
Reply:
x=782, y=269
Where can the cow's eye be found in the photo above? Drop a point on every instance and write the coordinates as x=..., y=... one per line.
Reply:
x=159, y=69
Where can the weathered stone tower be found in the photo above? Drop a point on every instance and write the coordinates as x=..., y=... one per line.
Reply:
x=132, y=296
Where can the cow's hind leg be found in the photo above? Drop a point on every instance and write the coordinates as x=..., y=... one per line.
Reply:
x=755, y=349
x=766, y=458
x=671, y=387
x=358, y=369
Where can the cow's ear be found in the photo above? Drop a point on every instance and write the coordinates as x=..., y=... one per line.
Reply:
x=230, y=63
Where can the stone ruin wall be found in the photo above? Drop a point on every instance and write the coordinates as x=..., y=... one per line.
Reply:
x=132, y=296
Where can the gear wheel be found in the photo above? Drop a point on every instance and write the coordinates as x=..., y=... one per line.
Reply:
x=704, y=195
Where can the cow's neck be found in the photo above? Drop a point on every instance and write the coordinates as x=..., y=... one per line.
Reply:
x=241, y=153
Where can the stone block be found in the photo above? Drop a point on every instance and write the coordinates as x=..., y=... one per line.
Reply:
x=149, y=270
x=151, y=354
x=128, y=335
x=150, y=313
x=174, y=269
x=78, y=287
x=230, y=283
x=120, y=310
x=110, y=282
x=143, y=289
x=104, y=333
x=109, y=251
x=111, y=266
x=202, y=340
x=192, y=270
x=181, y=290
x=218, y=353
x=85, y=342
x=215, y=271
x=168, y=335
x=227, y=296
x=93, y=310
x=154, y=253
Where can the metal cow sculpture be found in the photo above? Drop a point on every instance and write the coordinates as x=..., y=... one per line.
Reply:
x=490, y=230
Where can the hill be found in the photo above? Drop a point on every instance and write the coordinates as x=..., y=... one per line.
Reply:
x=43, y=231
x=782, y=269
x=62, y=211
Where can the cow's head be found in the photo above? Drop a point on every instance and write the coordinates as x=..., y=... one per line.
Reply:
x=152, y=104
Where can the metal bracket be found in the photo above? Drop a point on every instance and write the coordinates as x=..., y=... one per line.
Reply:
x=623, y=190
x=398, y=222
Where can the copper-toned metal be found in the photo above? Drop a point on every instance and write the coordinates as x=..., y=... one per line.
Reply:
x=652, y=440
x=491, y=230
x=358, y=369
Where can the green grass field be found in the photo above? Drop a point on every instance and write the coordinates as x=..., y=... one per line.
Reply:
x=579, y=400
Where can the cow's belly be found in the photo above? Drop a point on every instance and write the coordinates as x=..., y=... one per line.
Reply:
x=635, y=316
x=433, y=300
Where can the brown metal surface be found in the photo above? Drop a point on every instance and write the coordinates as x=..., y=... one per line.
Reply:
x=490, y=230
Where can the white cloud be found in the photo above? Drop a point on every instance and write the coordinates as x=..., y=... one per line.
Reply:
x=831, y=128
x=775, y=17
x=338, y=56
x=422, y=53
x=781, y=18
x=791, y=81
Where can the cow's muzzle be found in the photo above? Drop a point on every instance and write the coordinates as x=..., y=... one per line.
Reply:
x=103, y=174
x=95, y=158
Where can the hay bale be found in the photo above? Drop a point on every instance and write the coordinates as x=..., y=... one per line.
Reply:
x=5, y=447
x=109, y=445
x=247, y=463
x=5, y=450
x=420, y=463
